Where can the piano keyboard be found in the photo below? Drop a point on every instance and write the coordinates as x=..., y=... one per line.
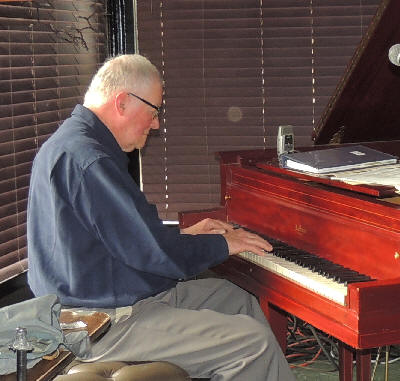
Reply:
x=310, y=271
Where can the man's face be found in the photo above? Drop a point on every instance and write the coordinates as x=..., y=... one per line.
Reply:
x=139, y=117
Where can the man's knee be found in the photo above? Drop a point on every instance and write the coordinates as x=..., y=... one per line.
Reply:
x=257, y=335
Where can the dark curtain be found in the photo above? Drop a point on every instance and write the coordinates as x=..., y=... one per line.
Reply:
x=120, y=27
x=121, y=38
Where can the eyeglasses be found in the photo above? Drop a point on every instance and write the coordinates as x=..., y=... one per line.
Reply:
x=158, y=109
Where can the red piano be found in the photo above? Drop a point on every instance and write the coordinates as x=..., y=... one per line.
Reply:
x=356, y=227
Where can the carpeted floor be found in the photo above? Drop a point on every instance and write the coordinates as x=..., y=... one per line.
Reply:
x=313, y=355
x=323, y=370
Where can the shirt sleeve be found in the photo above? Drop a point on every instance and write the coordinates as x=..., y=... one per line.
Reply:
x=114, y=209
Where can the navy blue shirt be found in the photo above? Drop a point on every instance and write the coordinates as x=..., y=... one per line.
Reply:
x=93, y=239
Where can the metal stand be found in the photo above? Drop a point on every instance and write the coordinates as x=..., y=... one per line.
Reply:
x=22, y=347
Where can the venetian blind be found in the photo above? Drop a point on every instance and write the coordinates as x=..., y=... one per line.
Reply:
x=49, y=51
x=234, y=71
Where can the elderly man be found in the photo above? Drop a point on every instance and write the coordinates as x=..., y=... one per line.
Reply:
x=95, y=241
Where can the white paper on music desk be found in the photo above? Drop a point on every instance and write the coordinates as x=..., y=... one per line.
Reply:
x=381, y=175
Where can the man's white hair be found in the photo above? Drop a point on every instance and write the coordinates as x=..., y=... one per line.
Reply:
x=127, y=72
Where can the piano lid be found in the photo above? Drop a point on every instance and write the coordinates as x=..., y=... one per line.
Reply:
x=366, y=103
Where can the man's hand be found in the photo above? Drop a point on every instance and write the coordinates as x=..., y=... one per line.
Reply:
x=208, y=226
x=241, y=240
x=238, y=240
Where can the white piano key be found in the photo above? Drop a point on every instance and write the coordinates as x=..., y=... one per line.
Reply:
x=317, y=283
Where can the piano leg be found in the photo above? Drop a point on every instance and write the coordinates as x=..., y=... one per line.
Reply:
x=277, y=319
x=363, y=363
x=345, y=362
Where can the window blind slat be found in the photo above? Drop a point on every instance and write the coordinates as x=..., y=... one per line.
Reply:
x=20, y=266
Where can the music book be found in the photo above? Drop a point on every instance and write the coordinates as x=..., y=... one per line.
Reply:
x=335, y=159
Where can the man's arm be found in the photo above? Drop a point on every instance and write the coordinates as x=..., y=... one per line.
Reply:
x=116, y=213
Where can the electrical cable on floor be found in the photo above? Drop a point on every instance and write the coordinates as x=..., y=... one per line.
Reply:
x=327, y=355
x=306, y=344
x=378, y=355
x=387, y=363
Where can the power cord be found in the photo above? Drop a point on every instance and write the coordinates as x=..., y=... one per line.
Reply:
x=306, y=344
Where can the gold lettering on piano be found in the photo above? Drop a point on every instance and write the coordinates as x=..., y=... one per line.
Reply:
x=300, y=229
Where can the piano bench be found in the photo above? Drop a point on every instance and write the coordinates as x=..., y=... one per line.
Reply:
x=122, y=371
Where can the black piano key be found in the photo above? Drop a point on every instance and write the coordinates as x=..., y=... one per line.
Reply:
x=352, y=278
x=364, y=278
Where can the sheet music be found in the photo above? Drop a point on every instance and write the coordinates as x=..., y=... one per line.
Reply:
x=380, y=175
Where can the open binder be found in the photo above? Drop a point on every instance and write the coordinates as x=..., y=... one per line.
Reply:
x=336, y=159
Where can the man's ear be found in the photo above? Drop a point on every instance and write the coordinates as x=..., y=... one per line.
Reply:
x=120, y=102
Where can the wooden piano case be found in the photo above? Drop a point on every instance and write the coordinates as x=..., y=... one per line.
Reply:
x=355, y=226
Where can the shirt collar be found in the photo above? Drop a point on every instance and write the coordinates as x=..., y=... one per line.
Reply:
x=103, y=134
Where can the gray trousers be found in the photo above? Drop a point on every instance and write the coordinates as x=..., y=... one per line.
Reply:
x=209, y=327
